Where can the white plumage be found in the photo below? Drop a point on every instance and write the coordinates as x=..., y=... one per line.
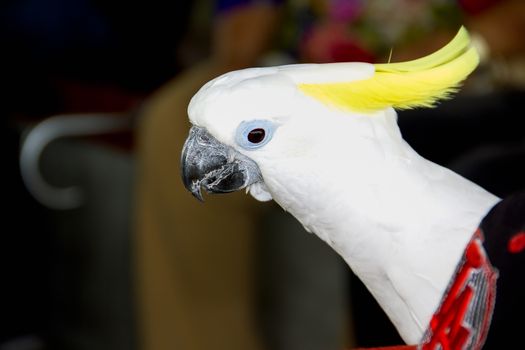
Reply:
x=400, y=221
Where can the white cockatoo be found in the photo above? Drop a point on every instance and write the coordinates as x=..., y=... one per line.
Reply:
x=322, y=140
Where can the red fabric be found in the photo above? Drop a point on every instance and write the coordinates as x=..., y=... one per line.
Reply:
x=448, y=328
x=517, y=243
x=398, y=347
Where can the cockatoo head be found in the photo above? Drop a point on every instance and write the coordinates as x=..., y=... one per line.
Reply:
x=251, y=124
x=280, y=131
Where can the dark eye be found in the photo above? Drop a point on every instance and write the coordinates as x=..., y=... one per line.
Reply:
x=256, y=135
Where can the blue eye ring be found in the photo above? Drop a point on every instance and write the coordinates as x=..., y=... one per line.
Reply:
x=254, y=134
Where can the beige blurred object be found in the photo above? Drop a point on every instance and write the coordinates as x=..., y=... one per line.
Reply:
x=243, y=35
x=194, y=262
x=500, y=29
x=502, y=26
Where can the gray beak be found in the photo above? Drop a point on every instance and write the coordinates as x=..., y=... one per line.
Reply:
x=210, y=164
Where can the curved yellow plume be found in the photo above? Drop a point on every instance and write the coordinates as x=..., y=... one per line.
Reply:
x=418, y=83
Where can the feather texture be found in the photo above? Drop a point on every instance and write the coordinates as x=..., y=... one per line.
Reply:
x=404, y=85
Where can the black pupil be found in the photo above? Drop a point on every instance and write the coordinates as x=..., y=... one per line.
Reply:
x=256, y=135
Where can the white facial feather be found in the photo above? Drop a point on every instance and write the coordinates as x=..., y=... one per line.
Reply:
x=259, y=93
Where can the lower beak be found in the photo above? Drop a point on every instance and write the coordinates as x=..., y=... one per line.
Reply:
x=218, y=168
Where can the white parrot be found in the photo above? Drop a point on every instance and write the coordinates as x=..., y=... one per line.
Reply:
x=322, y=140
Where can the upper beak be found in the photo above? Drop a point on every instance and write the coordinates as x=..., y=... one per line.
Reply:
x=217, y=167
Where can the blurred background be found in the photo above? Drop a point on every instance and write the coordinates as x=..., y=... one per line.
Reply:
x=102, y=248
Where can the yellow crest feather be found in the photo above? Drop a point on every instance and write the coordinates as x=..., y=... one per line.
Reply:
x=418, y=83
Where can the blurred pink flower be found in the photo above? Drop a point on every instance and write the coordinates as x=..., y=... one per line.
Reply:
x=345, y=10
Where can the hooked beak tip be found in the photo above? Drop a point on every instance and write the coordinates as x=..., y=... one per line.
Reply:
x=196, y=191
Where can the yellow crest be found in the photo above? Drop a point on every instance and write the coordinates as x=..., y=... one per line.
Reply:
x=418, y=83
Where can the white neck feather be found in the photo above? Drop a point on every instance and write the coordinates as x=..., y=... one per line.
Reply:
x=402, y=228
x=405, y=244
